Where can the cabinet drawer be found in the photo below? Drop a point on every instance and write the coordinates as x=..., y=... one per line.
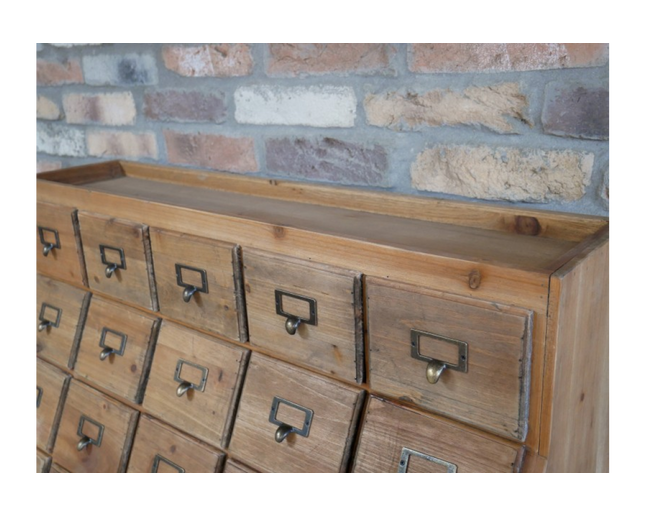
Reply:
x=290, y=420
x=194, y=382
x=476, y=353
x=95, y=432
x=118, y=259
x=51, y=390
x=396, y=439
x=159, y=448
x=116, y=348
x=305, y=312
x=199, y=282
x=60, y=313
x=233, y=466
x=58, y=243
x=43, y=462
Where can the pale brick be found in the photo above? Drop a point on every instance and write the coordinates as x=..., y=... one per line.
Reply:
x=223, y=60
x=577, y=111
x=603, y=189
x=60, y=140
x=297, y=59
x=52, y=73
x=504, y=57
x=317, y=106
x=120, y=70
x=525, y=175
x=212, y=151
x=328, y=159
x=185, y=106
x=47, y=165
x=122, y=144
x=100, y=108
x=497, y=107
x=70, y=45
x=46, y=109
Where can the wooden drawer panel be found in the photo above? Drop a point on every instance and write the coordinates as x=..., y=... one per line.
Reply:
x=414, y=331
x=89, y=414
x=55, y=468
x=43, y=462
x=60, y=313
x=199, y=282
x=118, y=259
x=214, y=369
x=324, y=411
x=116, y=348
x=58, y=244
x=159, y=448
x=233, y=466
x=396, y=439
x=51, y=390
x=325, y=302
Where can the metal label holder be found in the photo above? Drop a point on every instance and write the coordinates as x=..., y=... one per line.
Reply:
x=42, y=319
x=461, y=365
x=124, y=339
x=180, y=280
x=158, y=459
x=309, y=415
x=46, y=243
x=202, y=384
x=313, y=318
x=105, y=261
x=90, y=440
x=406, y=453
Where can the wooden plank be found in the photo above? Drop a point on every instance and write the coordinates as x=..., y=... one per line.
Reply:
x=84, y=174
x=52, y=386
x=575, y=428
x=43, y=462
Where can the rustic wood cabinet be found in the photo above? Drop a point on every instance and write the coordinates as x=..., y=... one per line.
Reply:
x=201, y=322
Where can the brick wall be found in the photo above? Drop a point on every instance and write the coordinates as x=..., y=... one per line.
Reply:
x=511, y=123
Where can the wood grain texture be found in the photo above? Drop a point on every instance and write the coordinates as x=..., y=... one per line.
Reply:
x=575, y=433
x=206, y=415
x=119, y=422
x=63, y=263
x=55, y=468
x=124, y=375
x=388, y=429
x=43, y=462
x=232, y=466
x=335, y=344
x=336, y=409
x=60, y=344
x=135, y=282
x=216, y=311
x=53, y=384
x=155, y=438
x=83, y=174
x=492, y=394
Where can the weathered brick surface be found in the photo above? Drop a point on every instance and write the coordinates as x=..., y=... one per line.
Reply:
x=526, y=175
x=576, y=111
x=122, y=144
x=60, y=140
x=46, y=109
x=100, y=108
x=53, y=73
x=503, y=57
x=328, y=159
x=185, y=106
x=125, y=70
x=497, y=107
x=47, y=165
x=317, y=106
x=296, y=59
x=212, y=151
x=224, y=60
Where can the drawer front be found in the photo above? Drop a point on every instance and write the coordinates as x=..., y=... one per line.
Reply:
x=458, y=357
x=199, y=282
x=233, y=466
x=60, y=313
x=306, y=313
x=194, y=383
x=116, y=348
x=118, y=258
x=290, y=420
x=159, y=448
x=43, y=462
x=55, y=468
x=95, y=433
x=51, y=390
x=58, y=244
x=395, y=439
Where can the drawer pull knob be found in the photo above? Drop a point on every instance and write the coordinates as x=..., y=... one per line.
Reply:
x=283, y=431
x=83, y=443
x=48, y=245
x=44, y=325
x=292, y=324
x=189, y=288
x=112, y=265
x=293, y=321
x=436, y=367
x=183, y=388
x=434, y=370
x=47, y=248
x=106, y=353
x=188, y=293
x=109, y=270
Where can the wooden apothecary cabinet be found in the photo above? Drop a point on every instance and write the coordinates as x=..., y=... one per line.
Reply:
x=253, y=321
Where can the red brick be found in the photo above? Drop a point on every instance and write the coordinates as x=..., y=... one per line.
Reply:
x=291, y=59
x=122, y=144
x=224, y=60
x=577, y=111
x=52, y=73
x=212, y=151
x=185, y=106
x=46, y=165
x=502, y=57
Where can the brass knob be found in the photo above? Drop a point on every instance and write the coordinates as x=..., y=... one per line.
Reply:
x=292, y=325
x=47, y=248
x=183, y=388
x=44, y=325
x=434, y=370
x=188, y=293
x=83, y=443
x=106, y=353
x=282, y=432
x=109, y=270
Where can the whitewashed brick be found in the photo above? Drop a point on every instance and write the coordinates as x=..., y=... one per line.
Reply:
x=60, y=140
x=120, y=70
